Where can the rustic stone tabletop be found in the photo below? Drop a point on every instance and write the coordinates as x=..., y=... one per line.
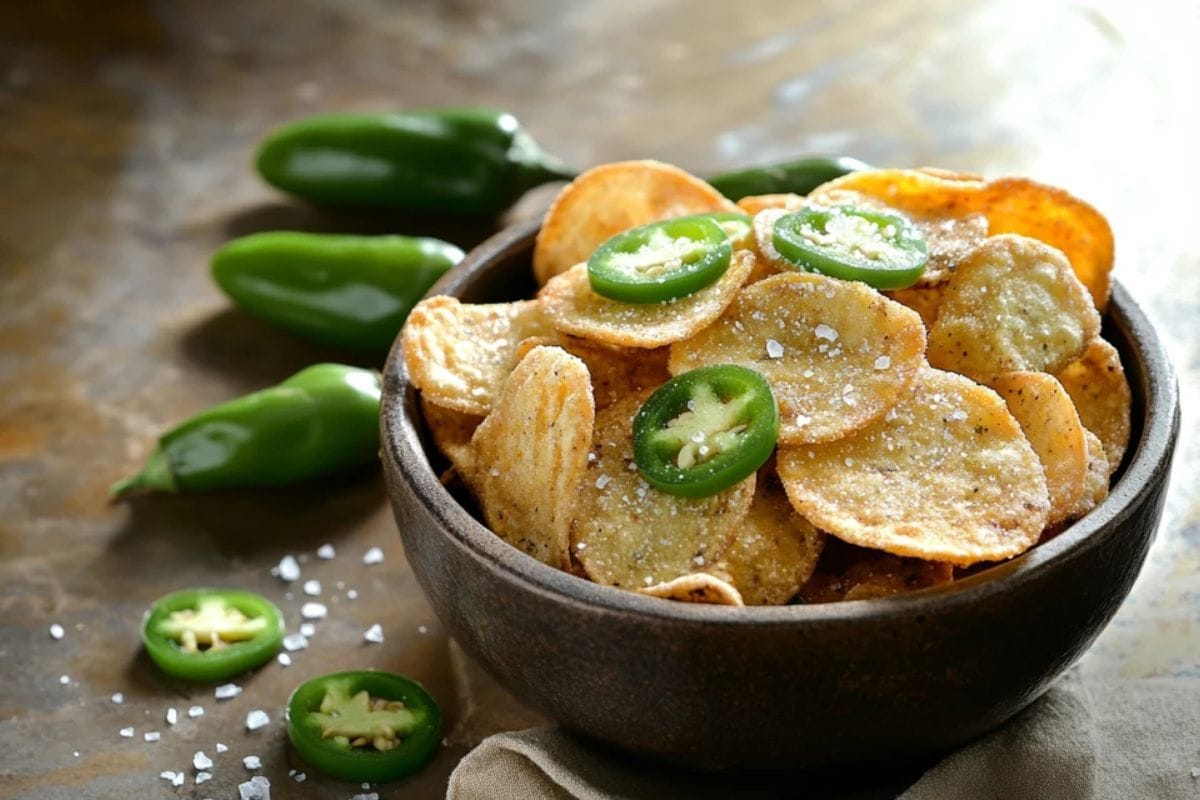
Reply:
x=125, y=148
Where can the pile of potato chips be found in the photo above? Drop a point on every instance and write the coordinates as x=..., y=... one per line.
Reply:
x=923, y=430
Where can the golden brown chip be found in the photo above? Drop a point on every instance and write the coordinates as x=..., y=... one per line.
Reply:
x=775, y=551
x=1096, y=484
x=451, y=431
x=925, y=300
x=847, y=572
x=698, y=587
x=612, y=198
x=950, y=175
x=1047, y=416
x=531, y=452
x=1097, y=385
x=1013, y=306
x=573, y=308
x=752, y=204
x=947, y=475
x=459, y=354
x=616, y=372
x=837, y=353
x=627, y=533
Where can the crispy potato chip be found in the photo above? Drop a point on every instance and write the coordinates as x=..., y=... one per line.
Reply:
x=1013, y=306
x=752, y=204
x=698, y=587
x=573, y=308
x=1095, y=487
x=1046, y=414
x=459, y=354
x=847, y=572
x=612, y=198
x=925, y=300
x=776, y=549
x=627, y=533
x=1097, y=385
x=947, y=475
x=949, y=174
x=531, y=452
x=616, y=372
x=1061, y=220
x=451, y=431
x=837, y=353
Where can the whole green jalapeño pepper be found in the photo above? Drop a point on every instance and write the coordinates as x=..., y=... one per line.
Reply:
x=347, y=291
x=800, y=176
x=462, y=160
x=322, y=420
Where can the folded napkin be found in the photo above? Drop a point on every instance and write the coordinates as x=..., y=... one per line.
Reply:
x=1083, y=740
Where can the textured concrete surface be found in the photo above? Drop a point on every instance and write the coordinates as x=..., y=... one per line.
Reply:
x=128, y=129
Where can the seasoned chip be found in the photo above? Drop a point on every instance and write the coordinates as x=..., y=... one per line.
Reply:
x=699, y=587
x=837, y=354
x=1047, y=416
x=1013, y=306
x=573, y=308
x=628, y=534
x=752, y=204
x=775, y=550
x=1096, y=484
x=946, y=475
x=451, y=431
x=1097, y=385
x=925, y=300
x=459, y=354
x=616, y=372
x=847, y=572
x=612, y=198
x=532, y=451
x=950, y=175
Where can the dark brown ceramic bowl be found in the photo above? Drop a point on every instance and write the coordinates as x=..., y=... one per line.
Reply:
x=775, y=687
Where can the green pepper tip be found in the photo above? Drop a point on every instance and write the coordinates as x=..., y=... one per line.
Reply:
x=155, y=475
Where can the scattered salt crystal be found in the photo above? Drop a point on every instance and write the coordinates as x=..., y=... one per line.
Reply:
x=288, y=569
x=883, y=362
x=1196, y=772
x=774, y=349
x=823, y=331
x=592, y=456
x=201, y=761
x=230, y=690
x=284, y=660
x=172, y=716
x=326, y=552
x=849, y=462
x=373, y=556
x=118, y=698
x=698, y=561
x=257, y=788
x=422, y=629
x=374, y=634
x=808, y=373
x=56, y=631
x=494, y=472
x=602, y=481
x=126, y=733
x=958, y=415
x=300, y=777
x=203, y=777
x=648, y=581
x=152, y=736
x=313, y=611
x=367, y=796
x=196, y=711
x=221, y=748
x=307, y=630
x=257, y=719
x=64, y=679
x=175, y=778
x=312, y=588
x=352, y=594
x=252, y=762
x=295, y=641
x=581, y=546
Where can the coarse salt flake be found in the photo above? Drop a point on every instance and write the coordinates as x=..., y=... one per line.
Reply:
x=313, y=611
x=151, y=736
x=883, y=362
x=295, y=641
x=326, y=552
x=374, y=634
x=172, y=716
x=228, y=690
x=312, y=588
x=203, y=777
x=602, y=481
x=367, y=796
x=257, y=788
x=825, y=332
x=774, y=349
x=118, y=698
x=252, y=762
x=308, y=630
x=200, y=761
x=288, y=569
x=56, y=631
x=352, y=594
x=257, y=719
x=64, y=679
x=958, y=415
x=372, y=556
x=126, y=733
x=221, y=748
x=195, y=711
x=284, y=660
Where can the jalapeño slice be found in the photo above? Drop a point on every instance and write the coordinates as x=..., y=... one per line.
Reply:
x=661, y=261
x=211, y=634
x=705, y=430
x=364, y=726
x=882, y=250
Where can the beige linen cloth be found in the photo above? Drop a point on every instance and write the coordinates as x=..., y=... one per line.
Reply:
x=1083, y=740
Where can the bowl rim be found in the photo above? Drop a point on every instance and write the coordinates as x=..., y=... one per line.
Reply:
x=1150, y=455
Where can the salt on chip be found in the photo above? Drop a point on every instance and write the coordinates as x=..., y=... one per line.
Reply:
x=857, y=573
x=627, y=533
x=1014, y=305
x=698, y=587
x=1047, y=416
x=612, y=198
x=459, y=354
x=1100, y=390
x=451, y=431
x=615, y=372
x=775, y=550
x=837, y=354
x=530, y=453
x=925, y=300
x=752, y=204
x=573, y=308
x=947, y=475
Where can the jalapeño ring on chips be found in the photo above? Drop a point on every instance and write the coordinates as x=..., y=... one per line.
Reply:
x=705, y=430
x=882, y=250
x=661, y=261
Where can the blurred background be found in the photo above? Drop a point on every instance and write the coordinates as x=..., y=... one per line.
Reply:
x=125, y=161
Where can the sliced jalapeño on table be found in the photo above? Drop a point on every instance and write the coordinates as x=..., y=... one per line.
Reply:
x=211, y=634
x=661, y=261
x=705, y=430
x=882, y=250
x=364, y=725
